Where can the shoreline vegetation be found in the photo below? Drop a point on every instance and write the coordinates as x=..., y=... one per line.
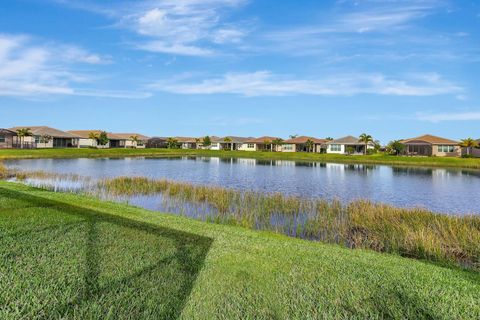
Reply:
x=442, y=162
x=95, y=259
x=415, y=233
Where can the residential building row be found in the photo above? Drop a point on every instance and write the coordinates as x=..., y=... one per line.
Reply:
x=46, y=137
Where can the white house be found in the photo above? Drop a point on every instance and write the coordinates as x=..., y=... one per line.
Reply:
x=347, y=145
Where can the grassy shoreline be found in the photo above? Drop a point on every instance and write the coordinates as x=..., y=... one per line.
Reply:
x=6, y=154
x=95, y=259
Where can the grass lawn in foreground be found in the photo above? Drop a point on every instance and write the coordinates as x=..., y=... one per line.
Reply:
x=64, y=255
x=473, y=163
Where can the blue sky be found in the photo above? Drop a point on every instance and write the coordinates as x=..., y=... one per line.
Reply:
x=391, y=68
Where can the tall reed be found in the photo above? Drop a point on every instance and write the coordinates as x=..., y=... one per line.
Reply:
x=415, y=233
x=3, y=171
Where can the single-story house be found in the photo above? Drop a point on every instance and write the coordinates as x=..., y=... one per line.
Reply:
x=429, y=145
x=300, y=144
x=214, y=143
x=264, y=143
x=476, y=150
x=45, y=137
x=7, y=138
x=348, y=144
x=157, y=142
x=133, y=140
x=188, y=142
x=229, y=143
x=86, y=142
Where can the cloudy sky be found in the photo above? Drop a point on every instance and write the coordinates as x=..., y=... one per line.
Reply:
x=391, y=68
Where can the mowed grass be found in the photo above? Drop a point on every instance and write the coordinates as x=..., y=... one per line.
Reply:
x=380, y=158
x=71, y=256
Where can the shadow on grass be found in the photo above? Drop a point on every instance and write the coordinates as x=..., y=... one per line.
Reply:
x=158, y=289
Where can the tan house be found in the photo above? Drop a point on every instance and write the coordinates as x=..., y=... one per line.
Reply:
x=264, y=143
x=188, y=142
x=45, y=137
x=133, y=140
x=229, y=143
x=85, y=141
x=6, y=138
x=302, y=144
x=347, y=145
x=428, y=145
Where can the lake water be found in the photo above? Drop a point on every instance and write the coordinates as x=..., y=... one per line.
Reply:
x=441, y=190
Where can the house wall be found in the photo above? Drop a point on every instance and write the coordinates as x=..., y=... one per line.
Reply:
x=475, y=152
x=341, y=151
x=8, y=141
x=288, y=147
x=456, y=153
x=188, y=145
x=248, y=147
x=39, y=145
x=216, y=146
x=133, y=144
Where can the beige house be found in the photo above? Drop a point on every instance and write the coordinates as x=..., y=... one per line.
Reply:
x=188, y=142
x=301, y=144
x=84, y=141
x=45, y=137
x=133, y=140
x=6, y=138
x=347, y=145
x=264, y=143
x=229, y=143
x=429, y=145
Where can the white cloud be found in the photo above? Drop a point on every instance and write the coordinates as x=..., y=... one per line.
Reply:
x=264, y=83
x=454, y=116
x=29, y=69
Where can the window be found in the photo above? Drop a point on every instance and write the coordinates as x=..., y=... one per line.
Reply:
x=446, y=149
x=287, y=147
x=2, y=139
x=250, y=146
x=335, y=147
x=37, y=139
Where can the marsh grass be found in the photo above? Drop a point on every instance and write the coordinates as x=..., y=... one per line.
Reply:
x=415, y=233
x=3, y=171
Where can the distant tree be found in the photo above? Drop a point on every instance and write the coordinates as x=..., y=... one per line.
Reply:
x=45, y=139
x=22, y=133
x=468, y=144
x=103, y=138
x=366, y=139
x=377, y=145
x=329, y=138
x=350, y=150
x=229, y=143
x=293, y=136
x=135, y=140
x=395, y=147
x=172, y=143
x=207, y=142
x=309, y=144
x=276, y=143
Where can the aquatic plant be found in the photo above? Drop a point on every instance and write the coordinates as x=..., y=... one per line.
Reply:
x=362, y=224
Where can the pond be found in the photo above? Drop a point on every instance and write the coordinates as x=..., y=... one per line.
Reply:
x=452, y=191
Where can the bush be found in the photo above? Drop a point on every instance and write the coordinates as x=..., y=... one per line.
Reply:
x=468, y=156
x=371, y=151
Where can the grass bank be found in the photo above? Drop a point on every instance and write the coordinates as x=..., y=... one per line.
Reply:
x=70, y=256
x=295, y=156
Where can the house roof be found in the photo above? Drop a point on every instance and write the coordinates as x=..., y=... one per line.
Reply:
x=346, y=140
x=430, y=139
x=127, y=136
x=233, y=138
x=85, y=134
x=186, y=139
x=6, y=131
x=44, y=130
x=262, y=139
x=304, y=139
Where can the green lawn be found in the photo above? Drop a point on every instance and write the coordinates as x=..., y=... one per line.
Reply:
x=69, y=256
x=298, y=156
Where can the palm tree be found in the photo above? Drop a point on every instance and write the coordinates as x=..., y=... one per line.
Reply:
x=228, y=141
x=276, y=142
x=309, y=144
x=468, y=143
x=197, y=142
x=366, y=139
x=172, y=143
x=135, y=140
x=93, y=136
x=22, y=133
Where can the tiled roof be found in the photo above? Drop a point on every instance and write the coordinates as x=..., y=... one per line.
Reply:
x=428, y=138
x=85, y=134
x=187, y=139
x=304, y=139
x=44, y=130
x=346, y=140
x=262, y=139
x=233, y=138
x=128, y=136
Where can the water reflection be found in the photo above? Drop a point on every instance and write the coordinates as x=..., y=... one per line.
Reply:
x=440, y=190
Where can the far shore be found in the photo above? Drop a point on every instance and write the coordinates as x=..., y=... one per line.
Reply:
x=380, y=158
